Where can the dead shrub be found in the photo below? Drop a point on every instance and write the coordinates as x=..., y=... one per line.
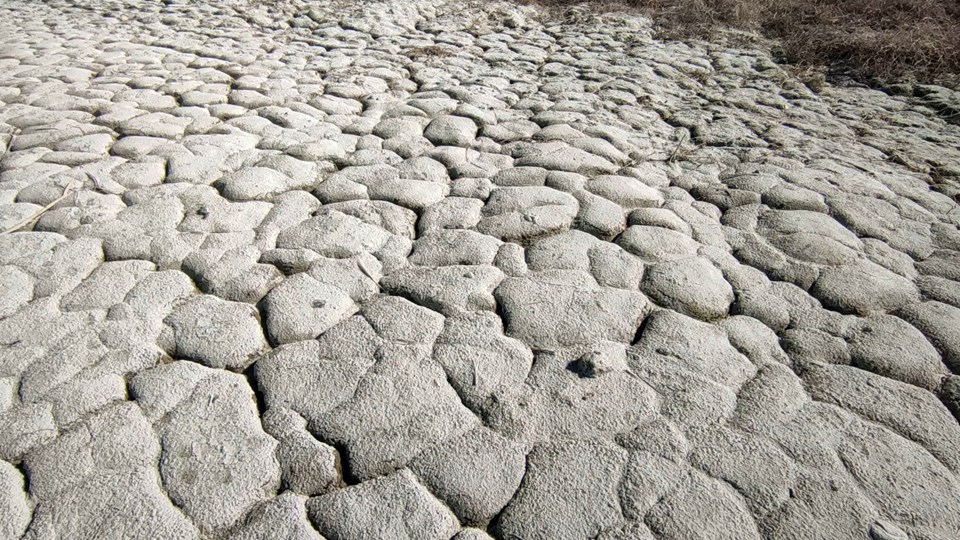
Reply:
x=867, y=39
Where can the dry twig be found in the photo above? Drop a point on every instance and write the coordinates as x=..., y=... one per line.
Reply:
x=673, y=155
x=69, y=190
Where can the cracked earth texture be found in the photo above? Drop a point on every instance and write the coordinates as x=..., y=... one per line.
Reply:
x=430, y=270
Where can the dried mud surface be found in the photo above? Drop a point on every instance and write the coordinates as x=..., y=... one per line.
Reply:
x=434, y=269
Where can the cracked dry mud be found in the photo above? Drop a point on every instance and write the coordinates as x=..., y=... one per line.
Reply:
x=428, y=270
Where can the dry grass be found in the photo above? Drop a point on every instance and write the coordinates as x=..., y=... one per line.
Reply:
x=869, y=39
x=430, y=51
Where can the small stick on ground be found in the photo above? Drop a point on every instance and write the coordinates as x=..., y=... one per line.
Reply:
x=9, y=143
x=99, y=185
x=673, y=155
x=67, y=191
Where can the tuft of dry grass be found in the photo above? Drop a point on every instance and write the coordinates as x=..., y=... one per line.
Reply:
x=867, y=39
x=430, y=51
x=813, y=77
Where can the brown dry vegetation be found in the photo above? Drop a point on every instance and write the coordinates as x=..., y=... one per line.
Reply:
x=870, y=39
